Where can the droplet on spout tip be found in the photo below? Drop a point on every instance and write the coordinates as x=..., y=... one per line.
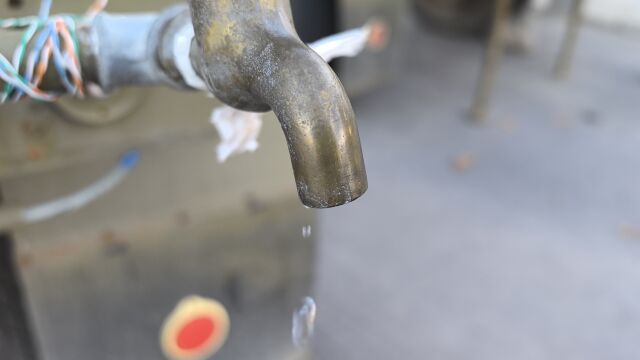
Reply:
x=306, y=231
x=303, y=323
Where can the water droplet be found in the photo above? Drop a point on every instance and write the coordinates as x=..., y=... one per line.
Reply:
x=304, y=318
x=306, y=231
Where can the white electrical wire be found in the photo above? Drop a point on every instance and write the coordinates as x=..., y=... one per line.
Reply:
x=45, y=9
x=73, y=201
x=349, y=43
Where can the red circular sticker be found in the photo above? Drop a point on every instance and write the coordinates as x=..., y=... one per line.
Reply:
x=196, y=329
x=195, y=333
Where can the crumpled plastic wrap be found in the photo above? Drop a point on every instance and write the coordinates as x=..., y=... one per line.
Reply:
x=238, y=131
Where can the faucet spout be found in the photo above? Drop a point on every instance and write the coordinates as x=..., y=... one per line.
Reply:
x=253, y=60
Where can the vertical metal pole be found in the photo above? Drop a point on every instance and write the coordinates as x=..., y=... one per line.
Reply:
x=567, y=51
x=493, y=52
x=16, y=337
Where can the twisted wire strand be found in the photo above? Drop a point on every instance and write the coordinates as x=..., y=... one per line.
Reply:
x=46, y=40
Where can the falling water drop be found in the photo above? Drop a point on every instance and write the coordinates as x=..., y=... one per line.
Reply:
x=304, y=318
x=306, y=231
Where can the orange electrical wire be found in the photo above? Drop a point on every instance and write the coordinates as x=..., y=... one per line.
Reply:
x=70, y=50
x=96, y=8
x=43, y=65
x=69, y=47
x=62, y=30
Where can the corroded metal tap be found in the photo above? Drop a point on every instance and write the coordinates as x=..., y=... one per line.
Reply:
x=248, y=53
x=252, y=59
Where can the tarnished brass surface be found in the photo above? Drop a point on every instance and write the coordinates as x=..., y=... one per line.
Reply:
x=252, y=59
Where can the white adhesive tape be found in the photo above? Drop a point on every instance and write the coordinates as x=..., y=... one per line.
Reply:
x=181, y=50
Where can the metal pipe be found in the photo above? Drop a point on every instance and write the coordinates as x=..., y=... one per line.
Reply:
x=252, y=59
x=125, y=48
x=567, y=51
x=493, y=52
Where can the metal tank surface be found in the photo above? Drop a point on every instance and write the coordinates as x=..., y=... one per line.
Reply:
x=99, y=283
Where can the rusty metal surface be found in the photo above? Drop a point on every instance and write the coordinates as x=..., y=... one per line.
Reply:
x=37, y=137
x=253, y=60
x=180, y=224
x=99, y=282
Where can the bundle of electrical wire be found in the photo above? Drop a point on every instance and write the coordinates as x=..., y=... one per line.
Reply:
x=45, y=39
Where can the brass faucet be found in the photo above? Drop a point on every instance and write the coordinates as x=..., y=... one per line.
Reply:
x=252, y=59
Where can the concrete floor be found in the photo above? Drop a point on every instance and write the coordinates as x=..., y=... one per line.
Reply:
x=515, y=240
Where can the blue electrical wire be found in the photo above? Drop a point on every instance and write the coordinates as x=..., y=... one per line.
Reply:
x=76, y=200
x=58, y=61
x=45, y=9
x=65, y=61
x=130, y=160
x=41, y=40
